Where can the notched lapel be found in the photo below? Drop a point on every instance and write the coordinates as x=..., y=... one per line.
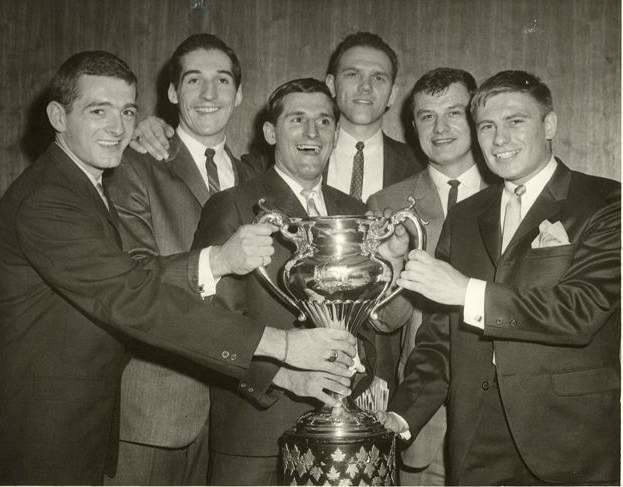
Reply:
x=183, y=166
x=489, y=225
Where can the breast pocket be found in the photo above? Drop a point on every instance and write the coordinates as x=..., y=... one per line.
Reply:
x=544, y=266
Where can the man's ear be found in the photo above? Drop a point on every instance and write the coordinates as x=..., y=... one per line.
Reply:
x=551, y=124
x=269, y=133
x=330, y=82
x=392, y=95
x=57, y=116
x=172, y=94
x=238, y=99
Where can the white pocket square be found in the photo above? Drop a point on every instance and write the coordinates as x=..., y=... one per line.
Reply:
x=550, y=235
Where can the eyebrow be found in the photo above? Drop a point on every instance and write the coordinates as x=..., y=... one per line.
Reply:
x=196, y=71
x=109, y=104
x=302, y=112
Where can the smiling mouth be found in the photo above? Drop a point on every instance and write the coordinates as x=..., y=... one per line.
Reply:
x=502, y=156
x=444, y=141
x=207, y=109
x=362, y=101
x=308, y=148
x=109, y=143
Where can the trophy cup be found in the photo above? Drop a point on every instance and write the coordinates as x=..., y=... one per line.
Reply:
x=336, y=279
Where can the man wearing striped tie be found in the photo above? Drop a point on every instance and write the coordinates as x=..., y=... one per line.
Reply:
x=527, y=351
x=301, y=124
x=165, y=404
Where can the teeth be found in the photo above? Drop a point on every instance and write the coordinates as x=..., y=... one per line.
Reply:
x=308, y=148
x=442, y=141
x=109, y=142
x=506, y=155
x=207, y=109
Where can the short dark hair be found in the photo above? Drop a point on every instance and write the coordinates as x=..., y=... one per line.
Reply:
x=274, y=107
x=362, y=39
x=63, y=87
x=207, y=42
x=437, y=80
x=513, y=81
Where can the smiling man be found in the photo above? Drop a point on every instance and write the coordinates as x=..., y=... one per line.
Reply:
x=526, y=353
x=164, y=403
x=301, y=124
x=439, y=104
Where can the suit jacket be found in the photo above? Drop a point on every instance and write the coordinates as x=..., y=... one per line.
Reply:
x=69, y=301
x=553, y=317
x=239, y=426
x=159, y=203
x=429, y=440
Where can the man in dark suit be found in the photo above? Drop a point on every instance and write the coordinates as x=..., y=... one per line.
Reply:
x=528, y=353
x=70, y=297
x=301, y=124
x=164, y=406
x=439, y=104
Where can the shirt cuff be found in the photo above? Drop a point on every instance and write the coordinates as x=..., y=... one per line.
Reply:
x=405, y=434
x=474, y=306
x=205, y=278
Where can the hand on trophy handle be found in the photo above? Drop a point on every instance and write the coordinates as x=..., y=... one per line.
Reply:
x=319, y=385
x=312, y=348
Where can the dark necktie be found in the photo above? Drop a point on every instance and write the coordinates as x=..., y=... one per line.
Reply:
x=512, y=217
x=213, y=183
x=356, y=182
x=453, y=194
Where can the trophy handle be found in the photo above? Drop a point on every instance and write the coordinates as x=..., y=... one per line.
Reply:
x=283, y=221
x=408, y=213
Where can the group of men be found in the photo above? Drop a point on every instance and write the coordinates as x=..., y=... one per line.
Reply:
x=508, y=335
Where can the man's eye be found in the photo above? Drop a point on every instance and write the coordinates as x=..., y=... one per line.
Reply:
x=192, y=81
x=517, y=121
x=130, y=113
x=380, y=78
x=426, y=118
x=97, y=111
x=224, y=81
x=455, y=114
x=325, y=122
x=296, y=119
x=485, y=127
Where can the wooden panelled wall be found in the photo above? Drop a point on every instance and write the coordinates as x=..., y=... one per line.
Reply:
x=574, y=45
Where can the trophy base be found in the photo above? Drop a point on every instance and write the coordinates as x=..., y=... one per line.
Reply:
x=340, y=446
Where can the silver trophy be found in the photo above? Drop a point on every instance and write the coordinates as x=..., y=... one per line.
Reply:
x=337, y=279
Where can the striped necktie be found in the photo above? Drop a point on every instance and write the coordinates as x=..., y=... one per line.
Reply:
x=312, y=209
x=213, y=183
x=356, y=181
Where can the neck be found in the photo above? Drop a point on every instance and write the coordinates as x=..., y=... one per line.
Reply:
x=455, y=169
x=360, y=132
x=207, y=140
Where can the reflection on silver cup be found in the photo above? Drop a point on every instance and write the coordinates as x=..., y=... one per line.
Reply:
x=336, y=279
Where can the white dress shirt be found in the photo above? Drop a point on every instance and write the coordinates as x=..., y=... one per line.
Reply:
x=471, y=183
x=296, y=188
x=340, y=170
x=224, y=166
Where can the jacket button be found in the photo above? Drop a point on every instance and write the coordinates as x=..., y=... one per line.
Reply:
x=225, y=354
x=485, y=385
x=251, y=389
x=234, y=356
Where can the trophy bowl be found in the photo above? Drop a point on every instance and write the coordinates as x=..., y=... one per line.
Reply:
x=337, y=279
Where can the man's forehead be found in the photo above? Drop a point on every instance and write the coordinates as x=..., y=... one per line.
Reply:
x=315, y=102
x=507, y=103
x=454, y=94
x=213, y=56
x=365, y=55
x=95, y=86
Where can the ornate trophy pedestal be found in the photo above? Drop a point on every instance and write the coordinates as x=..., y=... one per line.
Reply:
x=340, y=446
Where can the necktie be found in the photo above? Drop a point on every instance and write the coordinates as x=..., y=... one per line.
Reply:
x=453, y=194
x=213, y=183
x=312, y=209
x=100, y=190
x=356, y=181
x=512, y=217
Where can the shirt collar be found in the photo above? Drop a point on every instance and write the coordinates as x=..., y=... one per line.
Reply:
x=346, y=140
x=535, y=185
x=197, y=149
x=469, y=178
x=95, y=180
x=294, y=185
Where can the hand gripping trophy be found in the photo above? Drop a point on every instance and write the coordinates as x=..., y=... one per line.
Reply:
x=337, y=279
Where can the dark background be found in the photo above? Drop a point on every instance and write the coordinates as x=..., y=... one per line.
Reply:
x=574, y=45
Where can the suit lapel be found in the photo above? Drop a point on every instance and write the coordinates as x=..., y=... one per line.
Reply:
x=390, y=160
x=235, y=165
x=279, y=195
x=183, y=166
x=548, y=204
x=489, y=225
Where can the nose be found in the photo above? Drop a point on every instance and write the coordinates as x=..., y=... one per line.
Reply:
x=208, y=90
x=115, y=124
x=441, y=125
x=365, y=85
x=501, y=136
x=310, y=129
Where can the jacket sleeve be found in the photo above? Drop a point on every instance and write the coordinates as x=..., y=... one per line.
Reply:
x=75, y=250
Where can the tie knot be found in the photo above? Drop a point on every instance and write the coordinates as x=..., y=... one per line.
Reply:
x=210, y=153
x=359, y=146
x=308, y=193
x=454, y=182
x=520, y=190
